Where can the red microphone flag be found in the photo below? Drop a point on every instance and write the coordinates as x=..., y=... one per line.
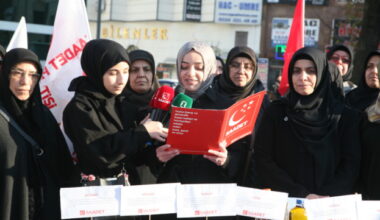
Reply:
x=162, y=99
x=295, y=42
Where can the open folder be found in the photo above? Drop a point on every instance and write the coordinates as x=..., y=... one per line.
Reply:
x=195, y=131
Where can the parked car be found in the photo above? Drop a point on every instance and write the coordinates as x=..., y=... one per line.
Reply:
x=170, y=82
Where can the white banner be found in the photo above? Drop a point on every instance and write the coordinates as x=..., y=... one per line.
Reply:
x=200, y=200
x=20, y=36
x=333, y=208
x=71, y=32
x=152, y=199
x=261, y=203
x=82, y=202
x=369, y=210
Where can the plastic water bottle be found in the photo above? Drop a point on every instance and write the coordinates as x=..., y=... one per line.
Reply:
x=298, y=212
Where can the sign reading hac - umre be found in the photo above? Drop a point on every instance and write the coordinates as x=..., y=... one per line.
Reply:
x=195, y=131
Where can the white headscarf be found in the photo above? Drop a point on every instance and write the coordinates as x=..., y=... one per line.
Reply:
x=209, y=62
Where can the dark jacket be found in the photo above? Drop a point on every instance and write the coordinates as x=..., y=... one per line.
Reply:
x=221, y=95
x=30, y=179
x=370, y=170
x=102, y=132
x=54, y=170
x=284, y=164
x=239, y=152
x=309, y=143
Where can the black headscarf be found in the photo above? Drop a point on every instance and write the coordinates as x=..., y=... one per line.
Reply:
x=221, y=61
x=98, y=56
x=224, y=81
x=350, y=52
x=315, y=116
x=26, y=113
x=142, y=99
x=363, y=96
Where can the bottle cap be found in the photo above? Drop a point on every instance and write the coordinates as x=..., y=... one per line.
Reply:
x=299, y=202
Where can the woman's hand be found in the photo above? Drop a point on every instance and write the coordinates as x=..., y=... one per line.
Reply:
x=155, y=129
x=164, y=153
x=219, y=157
x=315, y=196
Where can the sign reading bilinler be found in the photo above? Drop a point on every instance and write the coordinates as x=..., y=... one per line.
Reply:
x=193, y=10
x=238, y=11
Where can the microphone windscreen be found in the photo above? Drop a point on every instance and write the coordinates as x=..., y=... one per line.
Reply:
x=183, y=101
x=163, y=98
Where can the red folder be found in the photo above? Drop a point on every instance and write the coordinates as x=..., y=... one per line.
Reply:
x=195, y=131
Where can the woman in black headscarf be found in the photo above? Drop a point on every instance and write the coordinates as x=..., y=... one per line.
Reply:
x=34, y=159
x=238, y=81
x=141, y=86
x=101, y=127
x=343, y=57
x=142, y=83
x=370, y=169
x=369, y=85
x=370, y=130
x=308, y=142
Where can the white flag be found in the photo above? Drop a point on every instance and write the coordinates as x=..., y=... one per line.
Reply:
x=71, y=32
x=20, y=36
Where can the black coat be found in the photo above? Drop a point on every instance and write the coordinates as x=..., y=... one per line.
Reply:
x=284, y=164
x=196, y=169
x=370, y=170
x=102, y=131
x=54, y=168
x=35, y=165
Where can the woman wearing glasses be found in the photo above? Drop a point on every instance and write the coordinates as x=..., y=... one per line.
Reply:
x=34, y=158
x=308, y=142
x=238, y=81
x=343, y=57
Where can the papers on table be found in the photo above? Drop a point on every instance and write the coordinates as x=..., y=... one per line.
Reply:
x=93, y=201
x=201, y=200
x=261, y=203
x=197, y=200
x=149, y=199
x=333, y=208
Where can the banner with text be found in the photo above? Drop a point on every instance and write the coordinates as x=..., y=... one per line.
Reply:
x=281, y=29
x=71, y=32
x=238, y=11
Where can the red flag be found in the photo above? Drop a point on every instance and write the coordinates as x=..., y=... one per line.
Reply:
x=295, y=42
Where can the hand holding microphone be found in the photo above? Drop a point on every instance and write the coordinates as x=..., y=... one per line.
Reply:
x=164, y=153
x=155, y=129
x=161, y=102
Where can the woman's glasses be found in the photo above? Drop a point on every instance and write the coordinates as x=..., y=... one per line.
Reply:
x=18, y=73
x=337, y=58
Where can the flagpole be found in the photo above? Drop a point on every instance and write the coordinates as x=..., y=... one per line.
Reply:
x=99, y=21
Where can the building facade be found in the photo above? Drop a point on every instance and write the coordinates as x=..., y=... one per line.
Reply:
x=327, y=22
x=163, y=26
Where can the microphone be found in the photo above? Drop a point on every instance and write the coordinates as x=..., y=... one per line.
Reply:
x=181, y=100
x=161, y=101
